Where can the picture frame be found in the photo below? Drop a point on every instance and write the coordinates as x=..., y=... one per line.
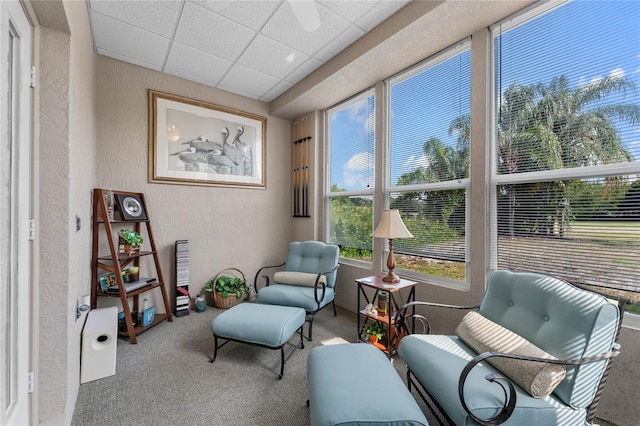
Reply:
x=193, y=142
x=131, y=207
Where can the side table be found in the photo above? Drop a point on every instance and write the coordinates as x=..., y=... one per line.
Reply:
x=392, y=339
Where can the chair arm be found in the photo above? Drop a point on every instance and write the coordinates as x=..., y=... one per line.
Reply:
x=266, y=277
x=510, y=401
x=315, y=293
x=401, y=315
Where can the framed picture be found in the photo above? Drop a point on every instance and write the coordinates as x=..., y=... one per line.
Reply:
x=197, y=143
x=131, y=207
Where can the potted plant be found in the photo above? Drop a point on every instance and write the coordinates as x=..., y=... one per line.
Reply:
x=226, y=290
x=374, y=331
x=130, y=241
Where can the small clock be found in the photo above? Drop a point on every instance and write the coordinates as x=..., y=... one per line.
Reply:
x=131, y=207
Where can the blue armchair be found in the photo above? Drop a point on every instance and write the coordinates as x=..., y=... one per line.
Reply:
x=308, y=280
x=552, y=339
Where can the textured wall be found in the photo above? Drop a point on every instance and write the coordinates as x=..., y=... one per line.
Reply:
x=82, y=140
x=226, y=227
x=53, y=288
x=66, y=141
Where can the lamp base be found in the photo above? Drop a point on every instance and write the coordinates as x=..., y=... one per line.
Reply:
x=391, y=278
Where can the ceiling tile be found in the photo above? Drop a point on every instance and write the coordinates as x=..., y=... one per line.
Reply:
x=379, y=13
x=349, y=10
x=276, y=91
x=252, y=14
x=129, y=60
x=339, y=44
x=190, y=62
x=128, y=41
x=240, y=46
x=159, y=17
x=251, y=81
x=207, y=31
x=284, y=27
x=304, y=70
x=271, y=57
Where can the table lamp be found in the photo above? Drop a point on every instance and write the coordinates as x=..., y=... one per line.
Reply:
x=391, y=227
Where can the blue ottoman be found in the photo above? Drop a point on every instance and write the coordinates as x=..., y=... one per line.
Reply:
x=267, y=326
x=355, y=384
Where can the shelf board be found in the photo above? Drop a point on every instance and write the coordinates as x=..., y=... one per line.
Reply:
x=135, y=292
x=140, y=329
x=101, y=220
x=125, y=256
x=380, y=318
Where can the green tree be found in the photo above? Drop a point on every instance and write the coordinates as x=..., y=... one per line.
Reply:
x=555, y=126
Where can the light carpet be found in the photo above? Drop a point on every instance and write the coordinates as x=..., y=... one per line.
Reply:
x=167, y=379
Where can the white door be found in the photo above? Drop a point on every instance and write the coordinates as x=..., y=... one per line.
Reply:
x=15, y=187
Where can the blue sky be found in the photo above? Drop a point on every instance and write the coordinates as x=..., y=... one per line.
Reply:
x=585, y=40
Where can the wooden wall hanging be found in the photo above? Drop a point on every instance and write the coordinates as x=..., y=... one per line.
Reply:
x=301, y=143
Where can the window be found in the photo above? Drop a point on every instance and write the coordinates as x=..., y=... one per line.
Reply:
x=566, y=187
x=351, y=176
x=429, y=143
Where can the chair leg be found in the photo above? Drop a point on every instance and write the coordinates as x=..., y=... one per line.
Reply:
x=335, y=314
x=301, y=337
x=215, y=348
x=310, y=326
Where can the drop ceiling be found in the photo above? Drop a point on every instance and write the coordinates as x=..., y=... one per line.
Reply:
x=257, y=49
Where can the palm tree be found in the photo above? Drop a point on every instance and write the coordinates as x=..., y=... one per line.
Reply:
x=555, y=126
x=540, y=127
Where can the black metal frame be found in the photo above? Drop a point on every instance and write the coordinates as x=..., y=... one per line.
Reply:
x=391, y=317
x=309, y=314
x=281, y=347
x=509, y=391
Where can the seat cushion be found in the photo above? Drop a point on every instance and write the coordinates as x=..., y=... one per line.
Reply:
x=437, y=362
x=355, y=384
x=294, y=295
x=267, y=325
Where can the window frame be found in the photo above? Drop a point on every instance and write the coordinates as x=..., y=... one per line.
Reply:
x=365, y=192
x=465, y=183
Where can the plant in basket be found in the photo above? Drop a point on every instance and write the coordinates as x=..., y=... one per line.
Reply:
x=226, y=290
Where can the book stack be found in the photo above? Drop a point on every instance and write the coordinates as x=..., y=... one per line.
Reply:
x=182, y=278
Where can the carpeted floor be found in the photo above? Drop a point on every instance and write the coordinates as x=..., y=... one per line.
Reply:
x=167, y=377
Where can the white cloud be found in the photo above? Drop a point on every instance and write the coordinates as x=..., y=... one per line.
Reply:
x=358, y=170
x=360, y=113
x=413, y=162
x=617, y=72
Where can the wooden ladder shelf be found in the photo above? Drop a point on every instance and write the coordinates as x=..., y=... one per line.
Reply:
x=131, y=212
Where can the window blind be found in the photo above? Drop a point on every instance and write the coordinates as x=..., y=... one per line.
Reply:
x=429, y=142
x=566, y=144
x=351, y=132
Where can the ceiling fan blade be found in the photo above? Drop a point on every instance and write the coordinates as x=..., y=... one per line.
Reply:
x=307, y=14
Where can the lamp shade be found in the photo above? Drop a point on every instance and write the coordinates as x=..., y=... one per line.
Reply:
x=391, y=226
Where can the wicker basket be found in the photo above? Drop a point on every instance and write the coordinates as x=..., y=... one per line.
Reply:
x=232, y=300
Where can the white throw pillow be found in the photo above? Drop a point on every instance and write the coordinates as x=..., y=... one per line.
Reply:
x=298, y=278
x=538, y=379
